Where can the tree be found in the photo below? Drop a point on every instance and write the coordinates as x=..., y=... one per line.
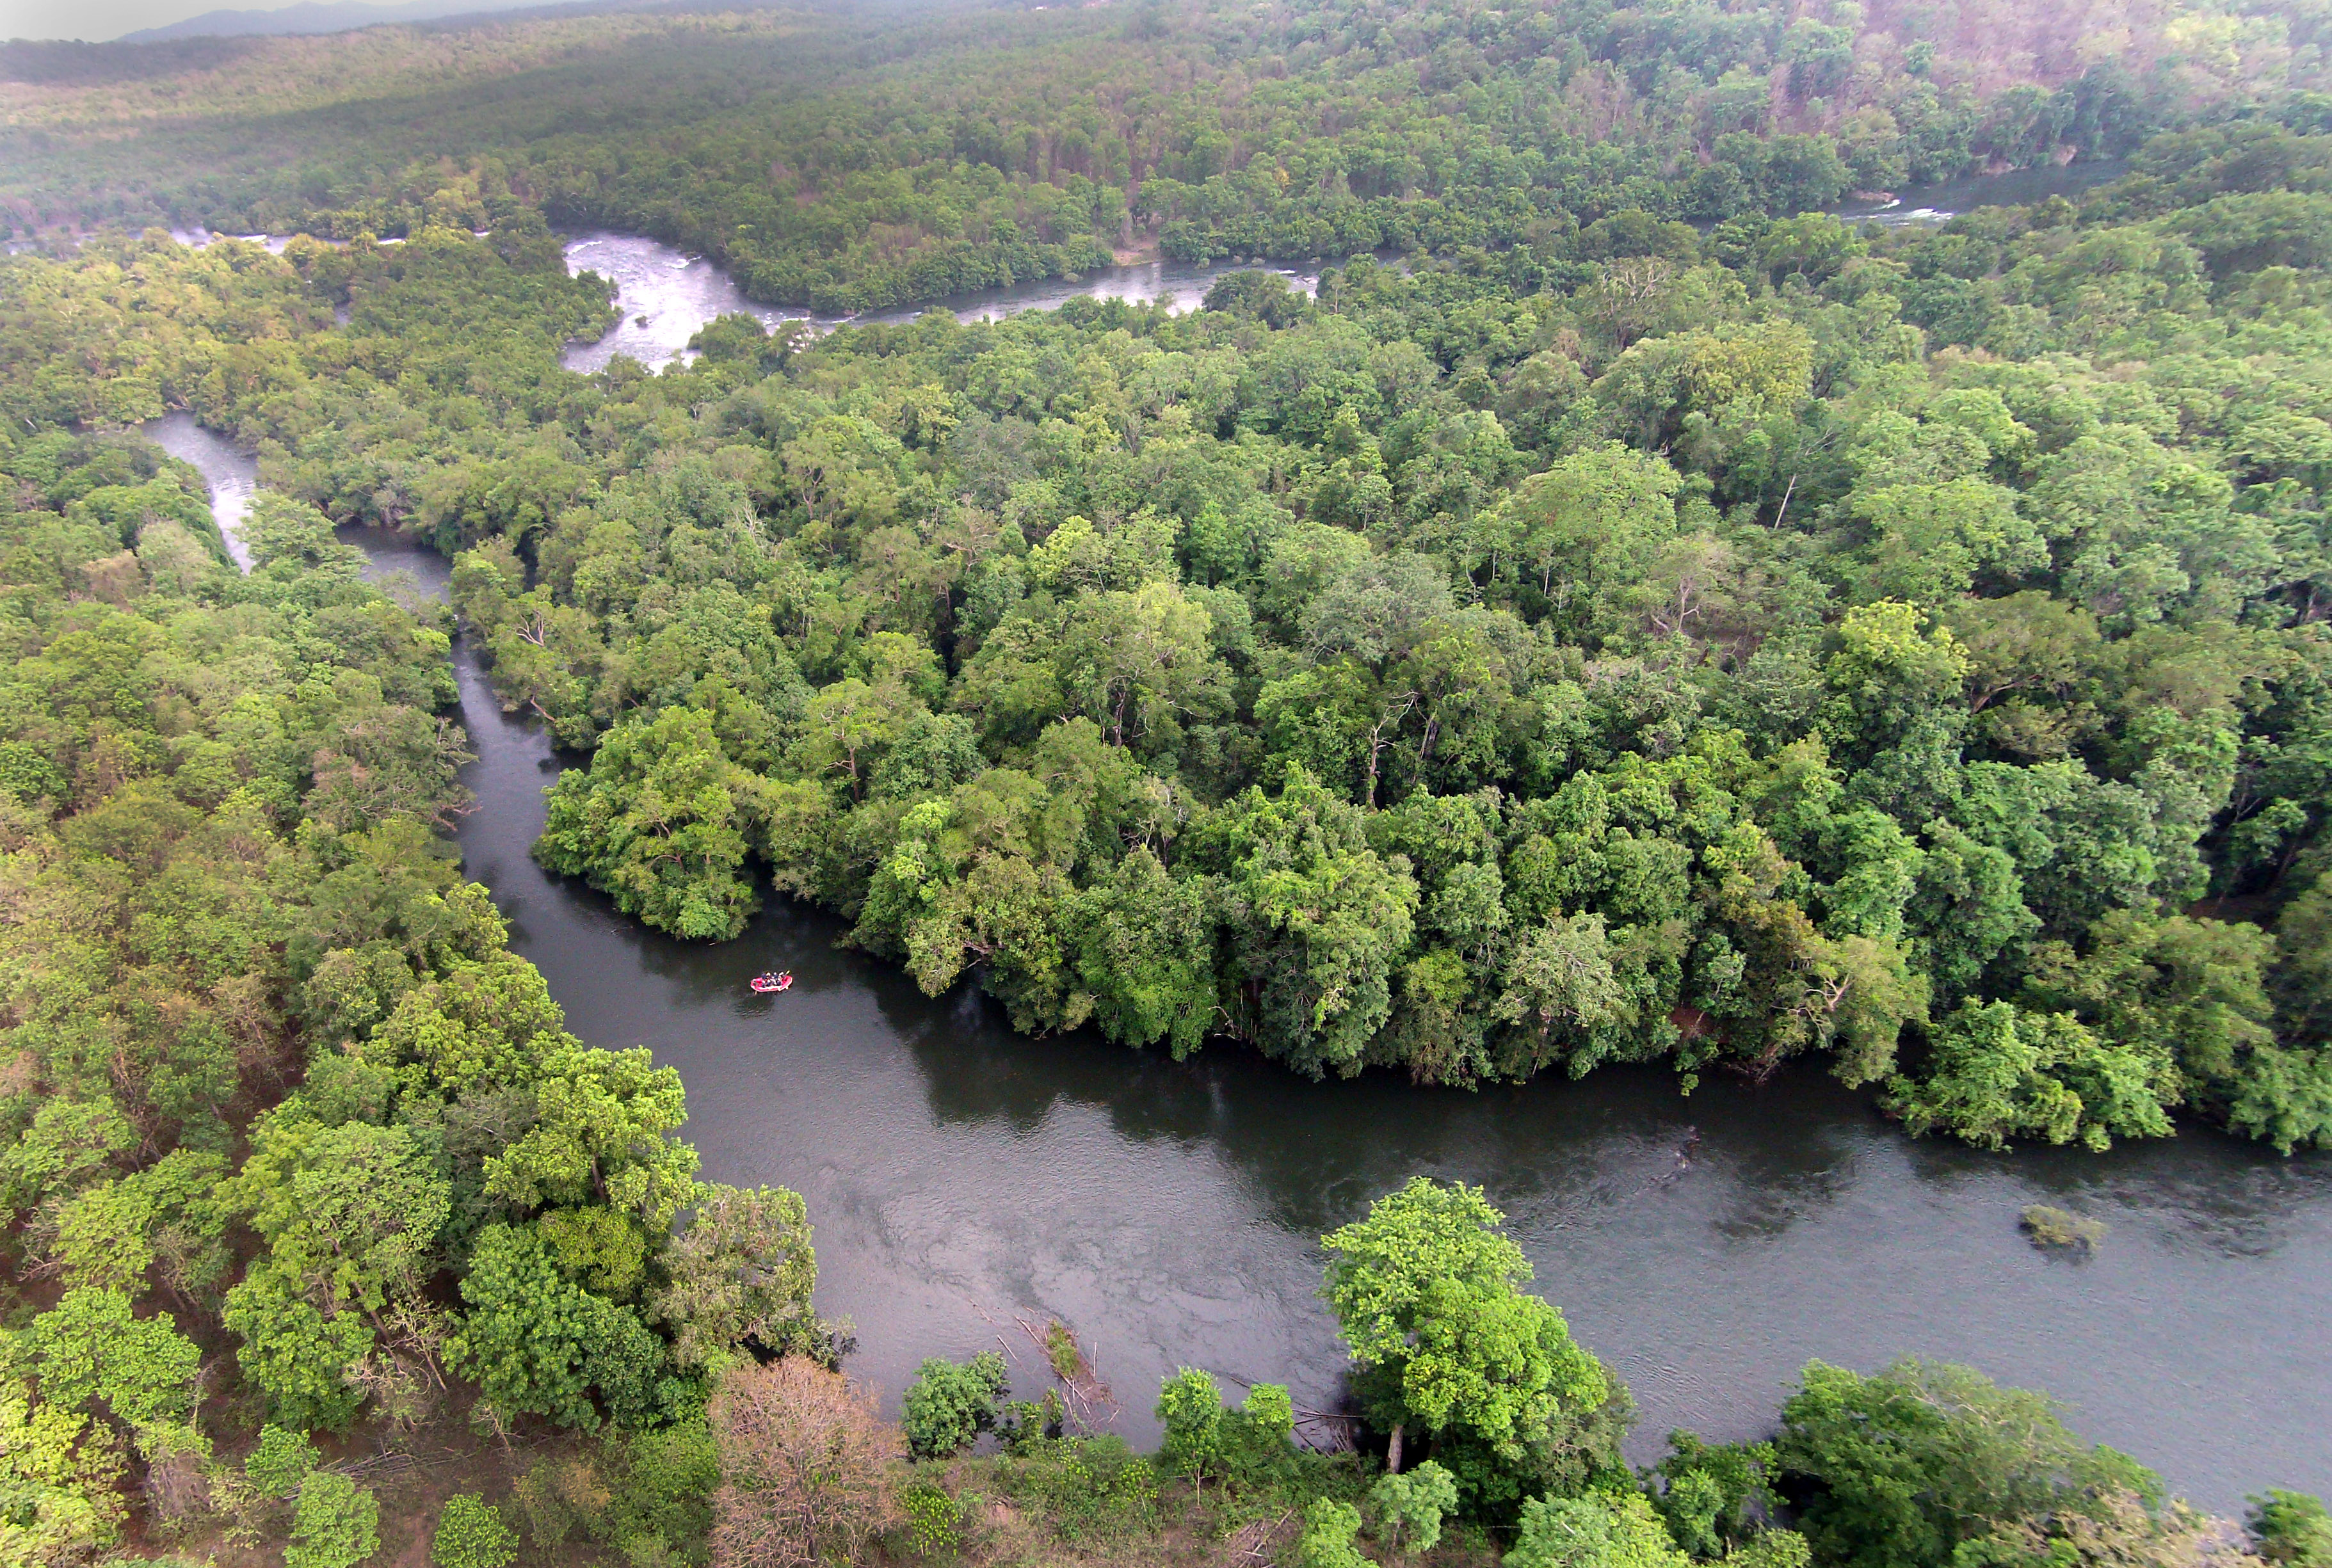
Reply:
x=299, y=1358
x=352, y=1211
x=1427, y=1295
x=805, y=1466
x=1902, y=1467
x=1996, y=1073
x=1316, y=917
x=659, y=821
x=88, y=1350
x=539, y=1344
x=336, y=1523
x=280, y=1462
x=1191, y=1411
x=471, y=1534
x=741, y=1274
x=947, y=1406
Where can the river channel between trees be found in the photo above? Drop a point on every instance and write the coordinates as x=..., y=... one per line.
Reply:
x=963, y=1177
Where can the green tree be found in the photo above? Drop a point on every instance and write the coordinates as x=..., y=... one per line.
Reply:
x=740, y=1276
x=1426, y=1293
x=336, y=1523
x=471, y=1534
x=947, y=1406
x=662, y=822
x=1600, y=1530
x=1903, y=1466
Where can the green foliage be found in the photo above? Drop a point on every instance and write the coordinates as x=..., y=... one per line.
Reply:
x=1191, y=1411
x=1903, y=1466
x=1712, y=1494
x=280, y=1462
x=1091, y=1489
x=1426, y=1293
x=947, y=1406
x=1412, y=1504
x=538, y=1345
x=741, y=1274
x=1326, y=1542
x=471, y=1534
x=2291, y=1527
x=1600, y=1530
x=336, y=1523
x=934, y=1519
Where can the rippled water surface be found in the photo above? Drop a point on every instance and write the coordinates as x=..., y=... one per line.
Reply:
x=963, y=1177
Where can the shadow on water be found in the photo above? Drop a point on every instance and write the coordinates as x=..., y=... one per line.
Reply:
x=962, y=1175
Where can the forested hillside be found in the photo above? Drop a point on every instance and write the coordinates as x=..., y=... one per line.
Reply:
x=845, y=161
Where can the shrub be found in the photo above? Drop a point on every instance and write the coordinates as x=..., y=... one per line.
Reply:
x=1254, y=1442
x=558, y=1495
x=805, y=1466
x=948, y=1406
x=281, y=1461
x=1090, y=1487
x=2061, y=1228
x=471, y=1534
x=1191, y=1408
x=1415, y=1503
x=2291, y=1529
x=1596, y=1531
x=1329, y=1527
x=934, y=1519
x=337, y=1523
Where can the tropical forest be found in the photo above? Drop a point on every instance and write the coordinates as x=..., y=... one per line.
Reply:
x=1474, y=784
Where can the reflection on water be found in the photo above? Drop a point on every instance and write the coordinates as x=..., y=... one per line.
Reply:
x=960, y=1175
x=663, y=295
x=232, y=475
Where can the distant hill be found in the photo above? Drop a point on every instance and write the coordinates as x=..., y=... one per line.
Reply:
x=312, y=16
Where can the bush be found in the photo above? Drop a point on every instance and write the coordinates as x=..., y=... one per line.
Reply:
x=2291, y=1529
x=948, y=1406
x=557, y=1495
x=805, y=1466
x=1090, y=1487
x=336, y=1525
x=934, y=1519
x=471, y=1534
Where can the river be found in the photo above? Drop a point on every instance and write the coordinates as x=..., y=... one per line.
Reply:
x=963, y=1177
x=665, y=295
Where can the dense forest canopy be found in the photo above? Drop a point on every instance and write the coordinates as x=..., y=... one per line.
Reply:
x=1649, y=620
x=843, y=160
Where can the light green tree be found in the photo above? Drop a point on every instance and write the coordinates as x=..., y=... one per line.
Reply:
x=1428, y=1293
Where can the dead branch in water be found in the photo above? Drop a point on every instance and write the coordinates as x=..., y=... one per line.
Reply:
x=1090, y=1402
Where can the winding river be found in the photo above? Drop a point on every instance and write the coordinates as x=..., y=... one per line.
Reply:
x=963, y=1177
